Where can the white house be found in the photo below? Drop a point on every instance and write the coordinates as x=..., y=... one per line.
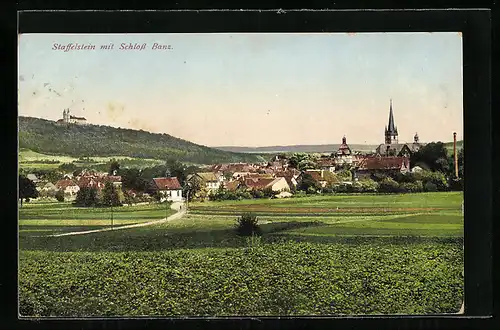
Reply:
x=169, y=188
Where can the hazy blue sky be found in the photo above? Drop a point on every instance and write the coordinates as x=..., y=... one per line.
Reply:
x=251, y=89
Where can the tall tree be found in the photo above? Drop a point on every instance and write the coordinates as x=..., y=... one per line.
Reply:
x=434, y=155
x=307, y=183
x=110, y=195
x=177, y=169
x=113, y=166
x=27, y=189
x=86, y=196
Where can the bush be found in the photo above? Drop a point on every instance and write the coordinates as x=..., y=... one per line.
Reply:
x=410, y=187
x=388, y=185
x=430, y=187
x=247, y=225
x=59, y=195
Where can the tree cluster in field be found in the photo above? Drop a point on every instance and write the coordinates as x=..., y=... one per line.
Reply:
x=80, y=141
x=224, y=194
x=91, y=197
x=26, y=189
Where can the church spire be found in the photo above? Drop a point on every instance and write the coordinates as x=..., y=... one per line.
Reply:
x=391, y=128
x=391, y=131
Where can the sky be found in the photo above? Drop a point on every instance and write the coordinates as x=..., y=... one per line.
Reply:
x=251, y=89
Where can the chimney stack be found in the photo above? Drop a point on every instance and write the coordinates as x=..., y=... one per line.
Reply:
x=455, y=154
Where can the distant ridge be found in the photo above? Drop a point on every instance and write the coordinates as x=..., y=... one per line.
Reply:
x=320, y=148
x=49, y=137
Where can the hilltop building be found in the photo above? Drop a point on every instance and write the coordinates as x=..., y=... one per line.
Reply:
x=69, y=119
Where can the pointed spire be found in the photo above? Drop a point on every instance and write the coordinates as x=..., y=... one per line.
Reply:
x=391, y=127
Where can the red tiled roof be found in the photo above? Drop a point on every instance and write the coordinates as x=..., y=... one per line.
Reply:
x=260, y=183
x=112, y=178
x=232, y=185
x=90, y=182
x=383, y=163
x=326, y=162
x=316, y=175
x=63, y=184
x=167, y=183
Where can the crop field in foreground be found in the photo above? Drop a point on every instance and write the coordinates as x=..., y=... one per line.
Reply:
x=51, y=218
x=323, y=263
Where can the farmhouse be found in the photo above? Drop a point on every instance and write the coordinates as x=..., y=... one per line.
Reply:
x=211, y=180
x=276, y=184
x=67, y=186
x=169, y=188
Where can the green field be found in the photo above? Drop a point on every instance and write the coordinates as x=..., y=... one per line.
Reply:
x=323, y=255
x=32, y=160
x=51, y=218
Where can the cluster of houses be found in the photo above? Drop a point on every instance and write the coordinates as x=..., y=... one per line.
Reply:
x=70, y=184
x=276, y=175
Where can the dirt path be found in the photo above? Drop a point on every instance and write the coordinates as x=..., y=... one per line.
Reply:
x=175, y=206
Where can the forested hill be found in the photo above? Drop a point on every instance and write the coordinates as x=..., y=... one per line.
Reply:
x=47, y=137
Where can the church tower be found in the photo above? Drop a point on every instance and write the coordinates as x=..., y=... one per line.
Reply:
x=391, y=131
x=416, y=139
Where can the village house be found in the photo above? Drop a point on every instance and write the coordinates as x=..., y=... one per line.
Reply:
x=33, y=178
x=47, y=187
x=275, y=184
x=320, y=176
x=211, y=180
x=232, y=185
x=290, y=176
x=169, y=188
x=90, y=182
x=388, y=165
x=115, y=179
x=69, y=187
x=238, y=175
x=326, y=164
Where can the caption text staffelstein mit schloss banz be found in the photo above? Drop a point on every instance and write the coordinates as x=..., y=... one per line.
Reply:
x=111, y=46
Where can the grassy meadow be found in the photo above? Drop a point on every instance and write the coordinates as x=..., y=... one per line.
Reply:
x=31, y=160
x=321, y=255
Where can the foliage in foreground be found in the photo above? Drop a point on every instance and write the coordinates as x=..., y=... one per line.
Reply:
x=247, y=225
x=286, y=278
